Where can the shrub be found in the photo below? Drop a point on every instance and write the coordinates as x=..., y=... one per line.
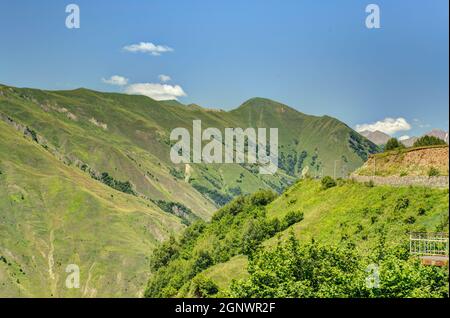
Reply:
x=433, y=172
x=421, y=211
x=204, y=287
x=164, y=254
x=216, y=196
x=291, y=218
x=428, y=141
x=410, y=220
x=123, y=186
x=328, y=182
x=262, y=197
x=202, y=262
x=291, y=270
x=402, y=203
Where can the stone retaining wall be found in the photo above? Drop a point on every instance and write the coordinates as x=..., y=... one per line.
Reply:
x=435, y=182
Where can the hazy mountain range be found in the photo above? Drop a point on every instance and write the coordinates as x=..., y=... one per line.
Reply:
x=380, y=138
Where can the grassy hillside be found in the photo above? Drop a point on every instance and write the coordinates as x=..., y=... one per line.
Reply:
x=134, y=131
x=52, y=215
x=350, y=215
x=86, y=178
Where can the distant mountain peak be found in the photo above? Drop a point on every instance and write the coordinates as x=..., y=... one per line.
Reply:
x=377, y=137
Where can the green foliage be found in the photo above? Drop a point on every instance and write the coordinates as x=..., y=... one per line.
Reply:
x=164, y=253
x=204, y=287
x=32, y=133
x=401, y=204
x=178, y=209
x=361, y=146
x=292, y=217
x=216, y=196
x=356, y=226
x=125, y=187
x=315, y=271
x=433, y=172
x=262, y=197
x=392, y=144
x=328, y=182
x=202, y=261
x=238, y=228
x=428, y=141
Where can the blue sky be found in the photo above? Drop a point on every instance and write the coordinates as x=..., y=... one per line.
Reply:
x=316, y=56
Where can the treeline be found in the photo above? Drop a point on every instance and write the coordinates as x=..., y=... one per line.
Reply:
x=123, y=186
x=423, y=141
x=180, y=210
x=237, y=228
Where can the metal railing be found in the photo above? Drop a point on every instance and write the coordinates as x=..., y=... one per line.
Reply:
x=428, y=244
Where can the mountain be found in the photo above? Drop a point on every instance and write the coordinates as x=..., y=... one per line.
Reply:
x=377, y=137
x=86, y=178
x=441, y=134
x=409, y=142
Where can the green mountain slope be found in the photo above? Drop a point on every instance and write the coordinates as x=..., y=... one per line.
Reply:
x=134, y=131
x=349, y=214
x=53, y=215
x=86, y=178
x=322, y=143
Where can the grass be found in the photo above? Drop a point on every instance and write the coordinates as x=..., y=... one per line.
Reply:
x=50, y=211
x=348, y=212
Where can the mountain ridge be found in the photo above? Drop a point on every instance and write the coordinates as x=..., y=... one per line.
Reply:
x=120, y=143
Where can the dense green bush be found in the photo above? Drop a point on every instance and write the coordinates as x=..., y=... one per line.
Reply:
x=428, y=141
x=433, y=172
x=216, y=196
x=204, y=287
x=178, y=209
x=328, y=182
x=237, y=228
x=125, y=187
x=315, y=271
x=392, y=144
x=262, y=197
x=291, y=218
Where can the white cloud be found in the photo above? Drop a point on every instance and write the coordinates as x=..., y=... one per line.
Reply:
x=155, y=90
x=116, y=80
x=148, y=47
x=403, y=137
x=388, y=125
x=164, y=78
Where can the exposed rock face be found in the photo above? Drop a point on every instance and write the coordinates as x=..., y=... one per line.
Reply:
x=441, y=134
x=377, y=137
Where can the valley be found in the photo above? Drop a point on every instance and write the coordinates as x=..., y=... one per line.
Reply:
x=86, y=179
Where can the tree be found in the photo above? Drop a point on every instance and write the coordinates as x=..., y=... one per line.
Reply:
x=392, y=144
x=312, y=270
x=428, y=141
